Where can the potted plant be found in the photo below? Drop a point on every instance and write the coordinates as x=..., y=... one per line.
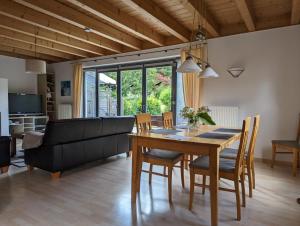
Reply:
x=194, y=117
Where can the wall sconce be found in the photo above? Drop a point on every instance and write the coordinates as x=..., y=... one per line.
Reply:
x=235, y=71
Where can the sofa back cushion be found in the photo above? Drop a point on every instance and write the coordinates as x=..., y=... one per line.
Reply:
x=73, y=130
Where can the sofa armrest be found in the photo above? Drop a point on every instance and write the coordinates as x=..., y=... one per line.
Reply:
x=48, y=158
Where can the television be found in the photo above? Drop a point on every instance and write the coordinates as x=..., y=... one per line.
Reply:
x=24, y=103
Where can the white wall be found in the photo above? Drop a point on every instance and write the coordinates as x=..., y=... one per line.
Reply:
x=18, y=81
x=4, y=106
x=269, y=86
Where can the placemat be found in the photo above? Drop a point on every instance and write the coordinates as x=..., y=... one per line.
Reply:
x=222, y=136
x=228, y=130
x=165, y=131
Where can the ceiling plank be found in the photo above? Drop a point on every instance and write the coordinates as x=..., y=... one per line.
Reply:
x=246, y=14
x=25, y=54
x=4, y=32
x=295, y=18
x=28, y=29
x=22, y=45
x=117, y=17
x=81, y=20
x=24, y=14
x=167, y=21
x=209, y=23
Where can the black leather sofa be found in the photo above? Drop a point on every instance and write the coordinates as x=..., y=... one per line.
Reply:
x=4, y=153
x=73, y=142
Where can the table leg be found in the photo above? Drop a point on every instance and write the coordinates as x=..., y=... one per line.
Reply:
x=136, y=169
x=214, y=185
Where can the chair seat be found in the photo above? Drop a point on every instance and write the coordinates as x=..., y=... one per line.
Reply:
x=230, y=153
x=289, y=143
x=163, y=154
x=225, y=165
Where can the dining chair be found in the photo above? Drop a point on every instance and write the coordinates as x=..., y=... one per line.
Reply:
x=159, y=157
x=231, y=153
x=230, y=169
x=288, y=147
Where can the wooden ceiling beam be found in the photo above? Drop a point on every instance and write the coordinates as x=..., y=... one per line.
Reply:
x=26, y=46
x=25, y=54
x=4, y=32
x=295, y=18
x=29, y=29
x=209, y=23
x=25, y=14
x=117, y=17
x=246, y=14
x=81, y=20
x=166, y=20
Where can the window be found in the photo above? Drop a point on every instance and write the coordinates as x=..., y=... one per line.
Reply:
x=130, y=89
x=107, y=93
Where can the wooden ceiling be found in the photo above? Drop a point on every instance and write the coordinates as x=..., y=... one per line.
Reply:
x=61, y=30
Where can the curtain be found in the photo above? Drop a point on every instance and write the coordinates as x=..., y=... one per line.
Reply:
x=192, y=84
x=77, y=90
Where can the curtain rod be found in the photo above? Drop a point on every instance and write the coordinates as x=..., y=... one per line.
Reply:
x=133, y=54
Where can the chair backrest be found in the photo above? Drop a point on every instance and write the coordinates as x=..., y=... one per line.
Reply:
x=143, y=122
x=251, y=147
x=168, y=120
x=239, y=164
x=298, y=135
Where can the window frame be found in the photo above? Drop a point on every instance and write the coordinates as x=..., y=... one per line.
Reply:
x=143, y=65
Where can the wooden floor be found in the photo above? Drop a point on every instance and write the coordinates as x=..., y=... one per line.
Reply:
x=99, y=194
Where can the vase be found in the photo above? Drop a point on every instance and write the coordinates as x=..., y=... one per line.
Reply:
x=192, y=124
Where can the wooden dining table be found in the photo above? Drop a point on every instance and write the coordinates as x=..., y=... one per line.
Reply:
x=187, y=142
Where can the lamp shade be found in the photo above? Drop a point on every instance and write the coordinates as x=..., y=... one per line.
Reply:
x=209, y=73
x=33, y=66
x=189, y=66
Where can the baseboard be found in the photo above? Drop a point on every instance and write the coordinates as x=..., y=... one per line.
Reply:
x=269, y=161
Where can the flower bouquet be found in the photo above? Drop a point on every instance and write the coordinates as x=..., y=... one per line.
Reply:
x=199, y=116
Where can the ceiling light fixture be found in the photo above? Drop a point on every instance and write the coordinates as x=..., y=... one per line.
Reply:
x=193, y=64
x=34, y=66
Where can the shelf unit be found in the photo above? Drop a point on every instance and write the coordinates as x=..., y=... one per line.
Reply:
x=46, y=88
x=22, y=124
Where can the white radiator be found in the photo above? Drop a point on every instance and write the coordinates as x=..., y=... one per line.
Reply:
x=225, y=116
x=64, y=111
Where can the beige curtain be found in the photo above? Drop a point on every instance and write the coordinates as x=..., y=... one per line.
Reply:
x=192, y=84
x=77, y=90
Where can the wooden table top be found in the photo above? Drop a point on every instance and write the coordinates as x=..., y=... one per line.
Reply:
x=190, y=136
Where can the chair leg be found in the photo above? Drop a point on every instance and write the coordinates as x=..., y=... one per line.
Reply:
x=295, y=162
x=253, y=174
x=150, y=173
x=273, y=155
x=243, y=189
x=30, y=168
x=170, y=170
x=238, y=201
x=204, y=184
x=182, y=172
x=192, y=187
x=186, y=161
x=250, y=177
x=165, y=170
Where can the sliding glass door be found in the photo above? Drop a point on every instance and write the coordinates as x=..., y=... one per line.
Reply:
x=159, y=89
x=107, y=93
x=130, y=89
